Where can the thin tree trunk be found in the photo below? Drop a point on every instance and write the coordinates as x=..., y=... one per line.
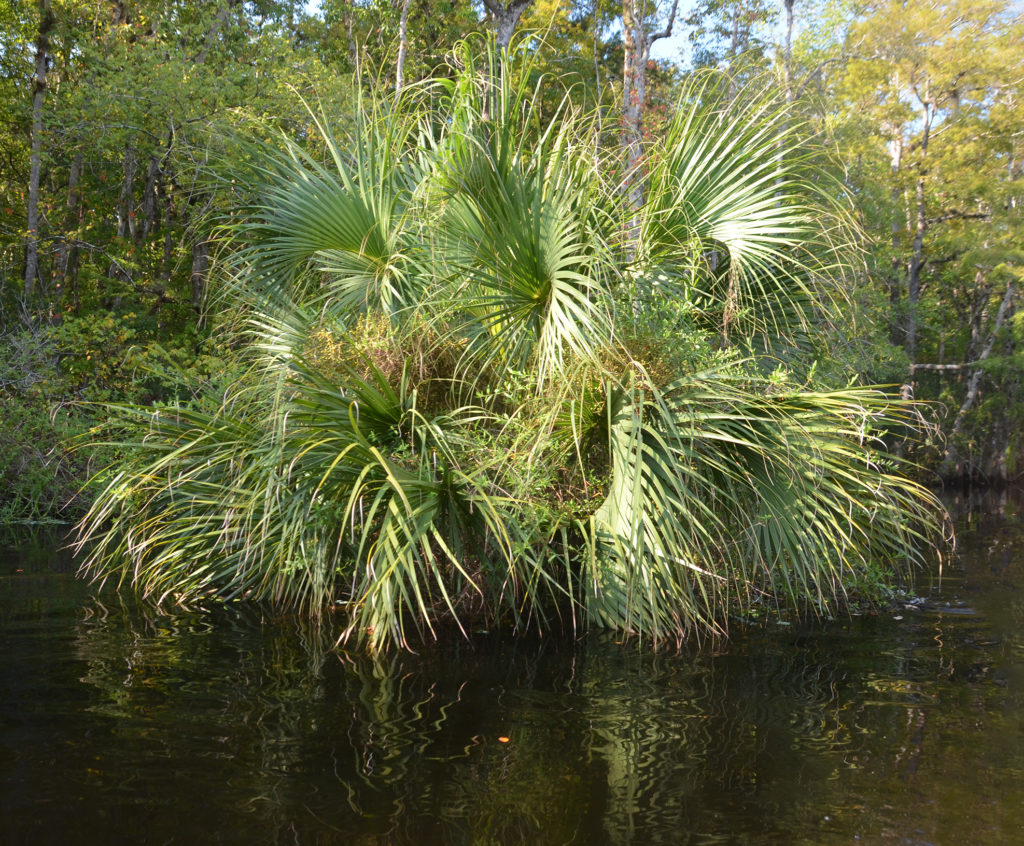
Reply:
x=46, y=24
x=150, y=212
x=67, y=251
x=974, y=384
x=126, y=202
x=787, y=52
x=637, y=41
x=916, y=262
x=634, y=93
x=200, y=264
x=914, y=267
x=403, y=46
x=353, y=50
x=125, y=211
x=897, y=335
x=168, y=254
x=734, y=49
x=787, y=84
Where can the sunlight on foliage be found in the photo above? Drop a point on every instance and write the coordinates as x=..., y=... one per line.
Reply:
x=467, y=401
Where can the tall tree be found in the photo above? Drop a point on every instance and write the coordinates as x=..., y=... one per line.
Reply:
x=640, y=22
x=924, y=100
x=46, y=24
x=403, y=47
x=730, y=34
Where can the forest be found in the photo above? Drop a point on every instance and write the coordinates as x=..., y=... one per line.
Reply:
x=472, y=216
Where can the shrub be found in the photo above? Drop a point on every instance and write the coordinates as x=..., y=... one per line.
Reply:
x=468, y=397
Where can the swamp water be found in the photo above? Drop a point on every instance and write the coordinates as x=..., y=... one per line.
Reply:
x=120, y=726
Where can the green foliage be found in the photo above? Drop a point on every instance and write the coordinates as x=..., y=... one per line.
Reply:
x=466, y=398
x=106, y=357
x=40, y=474
x=924, y=105
x=37, y=473
x=56, y=383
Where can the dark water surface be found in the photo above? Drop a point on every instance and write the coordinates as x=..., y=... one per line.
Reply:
x=118, y=726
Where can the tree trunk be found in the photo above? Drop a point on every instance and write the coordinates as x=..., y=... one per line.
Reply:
x=65, y=273
x=787, y=85
x=403, y=46
x=126, y=202
x=353, y=50
x=914, y=266
x=46, y=24
x=168, y=256
x=150, y=215
x=634, y=93
x=506, y=18
x=125, y=213
x=897, y=334
x=219, y=21
x=916, y=262
x=949, y=462
x=787, y=52
x=637, y=40
x=200, y=265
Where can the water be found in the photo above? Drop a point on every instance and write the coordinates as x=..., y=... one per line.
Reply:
x=120, y=726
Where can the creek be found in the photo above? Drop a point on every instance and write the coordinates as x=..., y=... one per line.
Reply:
x=906, y=726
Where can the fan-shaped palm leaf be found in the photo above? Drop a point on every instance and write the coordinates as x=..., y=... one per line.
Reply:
x=732, y=214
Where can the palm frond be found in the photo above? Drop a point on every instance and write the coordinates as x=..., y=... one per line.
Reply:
x=734, y=216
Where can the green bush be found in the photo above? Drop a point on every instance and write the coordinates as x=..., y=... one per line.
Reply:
x=468, y=399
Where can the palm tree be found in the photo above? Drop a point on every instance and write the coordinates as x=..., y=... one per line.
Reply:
x=467, y=399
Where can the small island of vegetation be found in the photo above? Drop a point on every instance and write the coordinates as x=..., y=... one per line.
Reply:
x=481, y=384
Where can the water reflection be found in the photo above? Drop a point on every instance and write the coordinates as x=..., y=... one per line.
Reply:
x=219, y=725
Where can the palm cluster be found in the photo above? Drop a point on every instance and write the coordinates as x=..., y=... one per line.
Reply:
x=479, y=388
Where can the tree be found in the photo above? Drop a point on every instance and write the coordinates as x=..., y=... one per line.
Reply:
x=46, y=23
x=731, y=34
x=923, y=99
x=504, y=17
x=639, y=19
